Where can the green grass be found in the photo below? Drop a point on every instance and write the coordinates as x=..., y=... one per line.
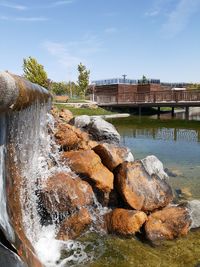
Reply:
x=85, y=111
x=77, y=101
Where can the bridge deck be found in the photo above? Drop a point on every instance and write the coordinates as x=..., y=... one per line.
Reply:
x=190, y=98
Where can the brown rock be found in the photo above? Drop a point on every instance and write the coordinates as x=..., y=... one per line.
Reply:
x=88, y=164
x=125, y=222
x=73, y=226
x=65, y=115
x=112, y=155
x=64, y=193
x=169, y=223
x=72, y=138
x=141, y=190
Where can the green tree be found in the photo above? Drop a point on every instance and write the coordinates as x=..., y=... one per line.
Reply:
x=83, y=79
x=34, y=72
x=59, y=88
x=194, y=86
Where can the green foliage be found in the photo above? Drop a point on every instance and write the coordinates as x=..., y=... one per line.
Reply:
x=59, y=88
x=83, y=79
x=194, y=86
x=34, y=72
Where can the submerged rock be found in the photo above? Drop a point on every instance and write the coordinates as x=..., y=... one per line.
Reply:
x=88, y=164
x=141, y=190
x=168, y=223
x=73, y=226
x=64, y=193
x=124, y=222
x=100, y=129
x=112, y=155
x=194, y=210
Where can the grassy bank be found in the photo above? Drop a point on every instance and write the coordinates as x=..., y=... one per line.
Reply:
x=85, y=111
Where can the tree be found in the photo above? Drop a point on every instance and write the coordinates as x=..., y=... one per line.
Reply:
x=83, y=79
x=34, y=72
x=59, y=88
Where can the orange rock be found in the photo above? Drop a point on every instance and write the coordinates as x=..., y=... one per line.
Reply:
x=141, y=190
x=88, y=164
x=72, y=138
x=169, y=223
x=64, y=193
x=125, y=222
x=65, y=115
x=73, y=226
x=112, y=155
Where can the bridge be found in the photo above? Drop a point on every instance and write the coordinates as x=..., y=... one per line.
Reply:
x=169, y=98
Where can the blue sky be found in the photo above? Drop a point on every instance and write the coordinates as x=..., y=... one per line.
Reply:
x=157, y=38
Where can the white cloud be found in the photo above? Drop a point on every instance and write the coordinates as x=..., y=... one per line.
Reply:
x=13, y=6
x=180, y=17
x=28, y=19
x=61, y=3
x=152, y=13
x=111, y=30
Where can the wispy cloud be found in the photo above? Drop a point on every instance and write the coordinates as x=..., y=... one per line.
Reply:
x=111, y=30
x=13, y=6
x=28, y=19
x=70, y=54
x=180, y=17
x=61, y=3
x=152, y=13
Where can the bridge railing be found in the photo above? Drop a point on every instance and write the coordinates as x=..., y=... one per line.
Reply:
x=152, y=97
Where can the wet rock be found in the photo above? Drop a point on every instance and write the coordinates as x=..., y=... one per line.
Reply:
x=154, y=166
x=88, y=164
x=64, y=193
x=141, y=190
x=100, y=129
x=73, y=226
x=168, y=223
x=194, y=210
x=183, y=193
x=125, y=222
x=112, y=155
x=71, y=138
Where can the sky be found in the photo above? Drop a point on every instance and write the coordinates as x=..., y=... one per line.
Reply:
x=156, y=38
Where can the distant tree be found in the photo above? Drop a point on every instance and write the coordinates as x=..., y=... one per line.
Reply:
x=59, y=88
x=194, y=86
x=83, y=79
x=34, y=72
x=144, y=79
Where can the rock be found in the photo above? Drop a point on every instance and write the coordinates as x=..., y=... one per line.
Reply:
x=125, y=222
x=194, y=211
x=168, y=223
x=98, y=128
x=141, y=190
x=81, y=121
x=65, y=115
x=112, y=155
x=183, y=193
x=88, y=164
x=64, y=193
x=71, y=138
x=154, y=166
x=73, y=226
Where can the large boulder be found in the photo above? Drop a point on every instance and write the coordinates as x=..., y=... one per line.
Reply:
x=168, y=223
x=74, y=225
x=88, y=164
x=124, y=222
x=72, y=138
x=100, y=129
x=194, y=210
x=154, y=166
x=65, y=193
x=141, y=190
x=112, y=155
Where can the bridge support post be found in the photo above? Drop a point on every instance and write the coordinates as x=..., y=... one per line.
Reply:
x=173, y=112
x=140, y=111
x=158, y=112
x=187, y=113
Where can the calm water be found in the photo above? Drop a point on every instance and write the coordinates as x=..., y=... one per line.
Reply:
x=177, y=144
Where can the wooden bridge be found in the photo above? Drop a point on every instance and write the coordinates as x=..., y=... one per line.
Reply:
x=170, y=98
